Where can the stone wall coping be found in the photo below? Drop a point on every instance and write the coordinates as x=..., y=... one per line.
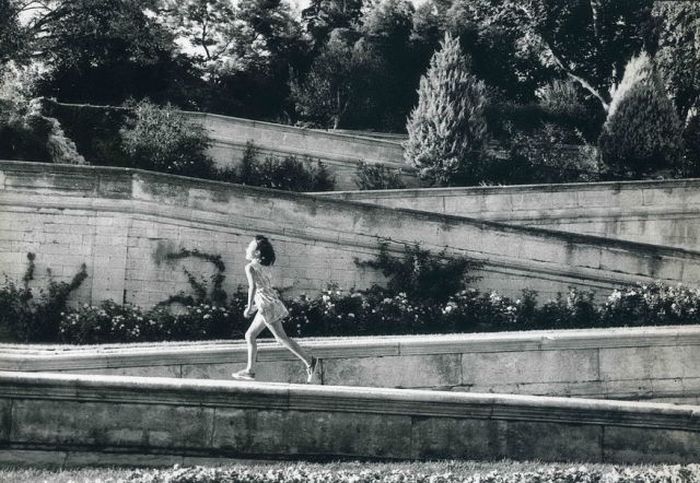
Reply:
x=316, y=201
x=297, y=397
x=19, y=357
x=282, y=127
x=510, y=189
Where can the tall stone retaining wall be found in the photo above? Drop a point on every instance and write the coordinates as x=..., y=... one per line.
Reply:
x=79, y=419
x=658, y=363
x=124, y=224
x=340, y=152
x=657, y=212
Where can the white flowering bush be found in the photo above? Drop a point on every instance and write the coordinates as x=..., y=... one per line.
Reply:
x=652, y=304
x=302, y=472
x=112, y=322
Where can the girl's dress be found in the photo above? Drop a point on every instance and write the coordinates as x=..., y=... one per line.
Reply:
x=266, y=298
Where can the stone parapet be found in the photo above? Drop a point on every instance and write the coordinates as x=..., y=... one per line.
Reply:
x=662, y=212
x=82, y=415
x=655, y=363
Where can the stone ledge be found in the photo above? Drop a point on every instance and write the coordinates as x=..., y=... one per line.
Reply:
x=296, y=397
x=22, y=357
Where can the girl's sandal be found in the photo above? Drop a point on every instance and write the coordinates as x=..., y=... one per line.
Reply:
x=244, y=375
x=311, y=370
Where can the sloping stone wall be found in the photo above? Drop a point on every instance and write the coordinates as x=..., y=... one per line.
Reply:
x=77, y=418
x=654, y=363
x=123, y=223
x=657, y=212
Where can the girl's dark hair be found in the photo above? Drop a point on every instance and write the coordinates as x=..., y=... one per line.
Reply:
x=267, y=254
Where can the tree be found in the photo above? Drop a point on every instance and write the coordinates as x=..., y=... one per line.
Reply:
x=678, y=54
x=447, y=129
x=642, y=132
x=206, y=29
x=25, y=132
x=334, y=92
x=12, y=41
x=96, y=50
x=322, y=17
x=589, y=41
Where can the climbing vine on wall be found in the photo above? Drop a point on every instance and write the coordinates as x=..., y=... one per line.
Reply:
x=216, y=296
x=26, y=315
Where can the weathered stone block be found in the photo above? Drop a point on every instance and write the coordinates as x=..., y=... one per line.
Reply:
x=403, y=371
x=528, y=440
x=110, y=424
x=255, y=432
x=530, y=367
x=646, y=445
x=661, y=362
x=440, y=438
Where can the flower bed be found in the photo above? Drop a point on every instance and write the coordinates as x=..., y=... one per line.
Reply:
x=430, y=472
x=298, y=473
x=376, y=312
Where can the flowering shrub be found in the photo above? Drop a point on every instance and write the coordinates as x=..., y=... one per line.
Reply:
x=27, y=316
x=652, y=304
x=378, y=312
x=403, y=474
x=111, y=322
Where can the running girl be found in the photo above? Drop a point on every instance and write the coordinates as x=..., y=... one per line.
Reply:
x=263, y=298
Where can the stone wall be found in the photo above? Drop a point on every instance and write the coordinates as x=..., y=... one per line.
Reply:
x=124, y=223
x=656, y=363
x=657, y=212
x=78, y=419
x=340, y=152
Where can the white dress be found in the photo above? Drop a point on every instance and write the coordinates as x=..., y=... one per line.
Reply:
x=266, y=299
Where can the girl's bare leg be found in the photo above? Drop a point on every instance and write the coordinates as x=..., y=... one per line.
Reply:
x=251, y=335
x=282, y=337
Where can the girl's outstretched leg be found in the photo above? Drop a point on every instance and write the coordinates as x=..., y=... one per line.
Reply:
x=282, y=337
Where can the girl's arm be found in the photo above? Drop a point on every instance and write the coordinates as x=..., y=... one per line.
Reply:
x=251, y=285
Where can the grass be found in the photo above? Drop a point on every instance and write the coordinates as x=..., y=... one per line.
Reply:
x=500, y=471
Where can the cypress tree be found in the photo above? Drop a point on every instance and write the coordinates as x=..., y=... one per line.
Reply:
x=642, y=132
x=447, y=129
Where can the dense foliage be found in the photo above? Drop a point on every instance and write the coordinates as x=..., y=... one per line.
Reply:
x=28, y=315
x=377, y=177
x=416, y=306
x=371, y=472
x=288, y=173
x=543, y=66
x=458, y=471
x=162, y=139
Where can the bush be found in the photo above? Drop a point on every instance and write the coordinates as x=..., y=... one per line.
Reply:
x=162, y=139
x=447, y=129
x=549, y=154
x=26, y=317
x=432, y=472
x=424, y=276
x=111, y=322
x=652, y=304
x=95, y=130
x=288, y=174
x=25, y=132
x=377, y=177
x=642, y=133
